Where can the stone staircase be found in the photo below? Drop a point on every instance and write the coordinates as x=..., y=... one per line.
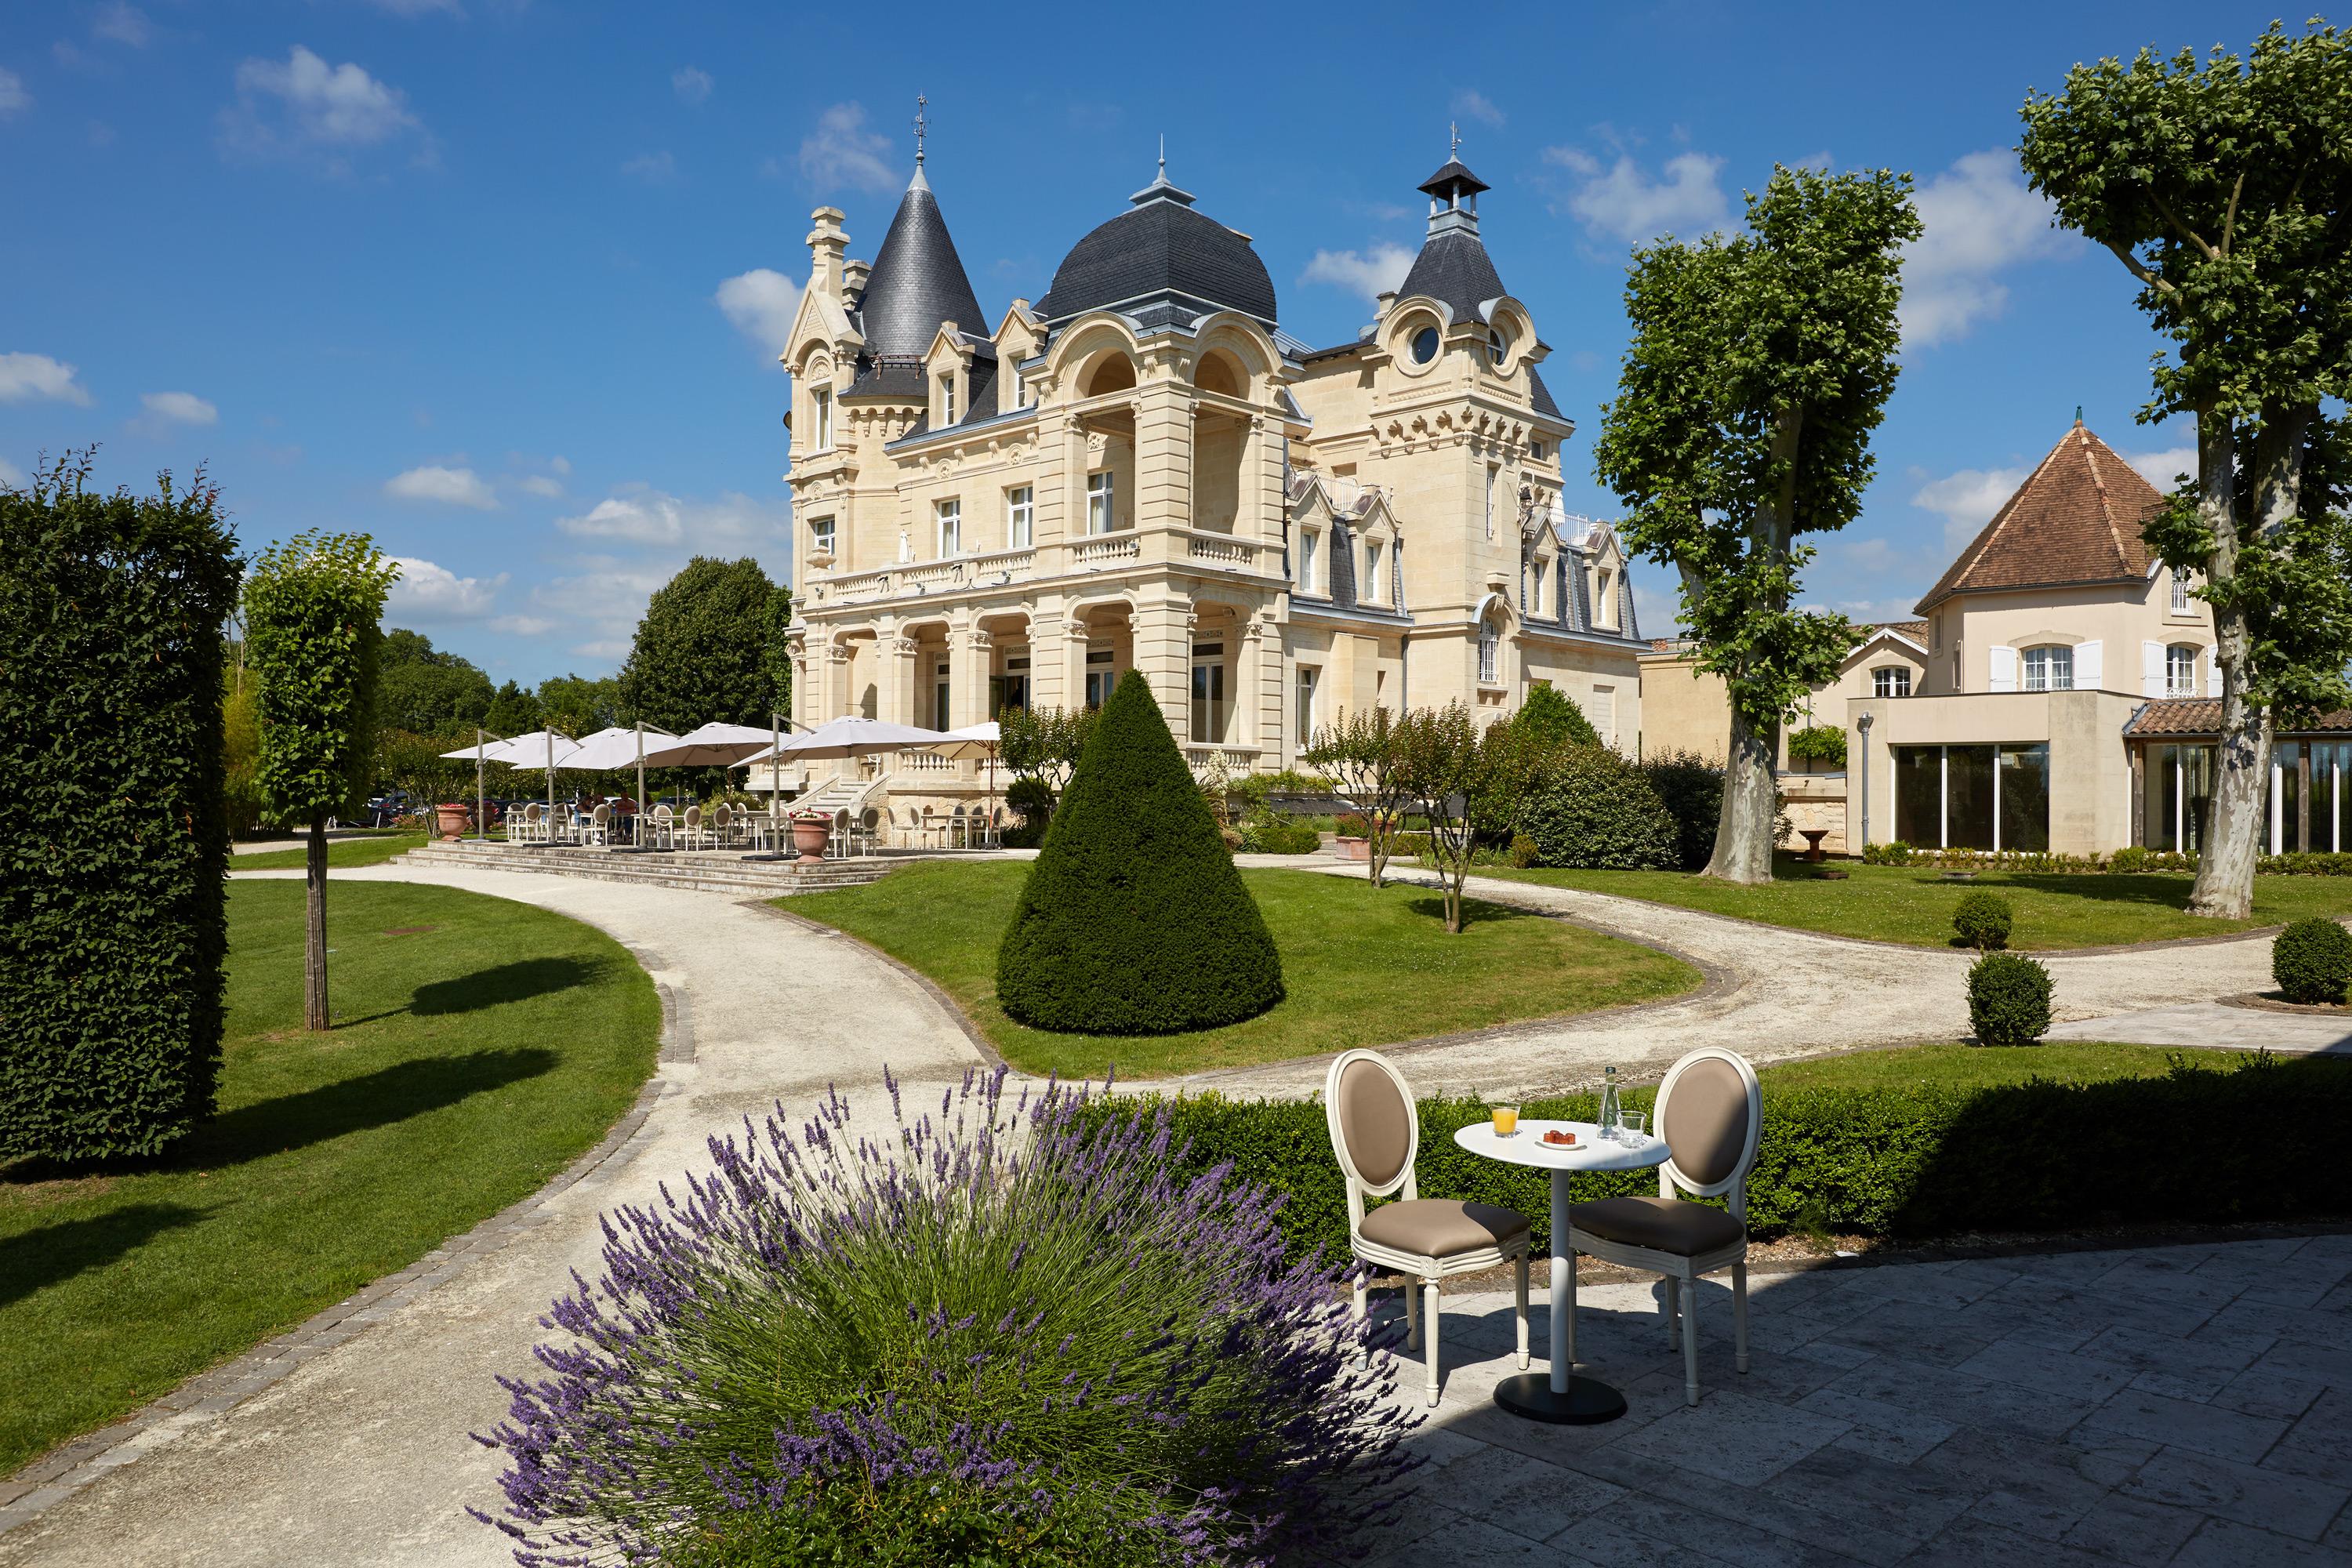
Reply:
x=723, y=871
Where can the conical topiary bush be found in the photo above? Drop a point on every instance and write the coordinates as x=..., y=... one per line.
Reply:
x=1134, y=921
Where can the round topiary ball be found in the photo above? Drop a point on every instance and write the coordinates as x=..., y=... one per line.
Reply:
x=1134, y=919
x=1983, y=921
x=2008, y=999
x=2312, y=962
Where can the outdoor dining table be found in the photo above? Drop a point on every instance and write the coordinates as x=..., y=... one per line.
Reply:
x=1560, y=1396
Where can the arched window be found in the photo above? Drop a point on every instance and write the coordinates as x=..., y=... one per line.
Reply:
x=2179, y=593
x=1890, y=681
x=2180, y=670
x=2049, y=668
x=1490, y=642
x=1497, y=345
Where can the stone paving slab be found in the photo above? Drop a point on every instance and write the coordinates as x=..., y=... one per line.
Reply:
x=2140, y=1442
x=2216, y=1023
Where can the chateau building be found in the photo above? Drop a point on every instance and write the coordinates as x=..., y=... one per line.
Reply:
x=1143, y=471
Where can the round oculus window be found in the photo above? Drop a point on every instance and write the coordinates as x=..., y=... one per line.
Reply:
x=1497, y=345
x=1424, y=345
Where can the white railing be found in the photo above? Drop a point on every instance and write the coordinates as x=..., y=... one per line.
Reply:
x=917, y=577
x=928, y=762
x=1222, y=550
x=1233, y=761
x=1106, y=550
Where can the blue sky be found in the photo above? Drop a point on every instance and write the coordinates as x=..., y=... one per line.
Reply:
x=498, y=281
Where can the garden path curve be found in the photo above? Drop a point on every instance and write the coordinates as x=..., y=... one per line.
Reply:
x=361, y=1455
x=1773, y=994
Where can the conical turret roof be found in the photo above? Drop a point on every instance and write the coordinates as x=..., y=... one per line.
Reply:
x=917, y=281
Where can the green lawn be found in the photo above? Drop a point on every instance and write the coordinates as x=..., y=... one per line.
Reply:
x=342, y=853
x=1962, y=1065
x=1361, y=968
x=480, y=1046
x=1903, y=904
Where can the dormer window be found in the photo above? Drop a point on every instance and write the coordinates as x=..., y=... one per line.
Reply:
x=1374, y=554
x=1536, y=587
x=2179, y=593
x=1310, y=547
x=1604, y=598
x=1498, y=347
x=946, y=401
x=821, y=422
x=1424, y=345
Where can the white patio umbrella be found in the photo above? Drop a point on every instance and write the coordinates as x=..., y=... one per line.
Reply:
x=851, y=737
x=539, y=749
x=981, y=740
x=480, y=753
x=609, y=750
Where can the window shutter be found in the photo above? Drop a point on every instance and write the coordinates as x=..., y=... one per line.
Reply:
x=2090, y=666
x=2212, y=675
x=2151, y=669
x=2004, y=669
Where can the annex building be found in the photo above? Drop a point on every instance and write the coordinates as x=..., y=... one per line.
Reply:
x=1143, y=470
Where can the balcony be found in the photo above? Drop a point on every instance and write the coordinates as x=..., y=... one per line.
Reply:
x=1105, y=552
x=915, y=579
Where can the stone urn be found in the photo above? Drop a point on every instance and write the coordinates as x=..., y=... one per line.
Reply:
x=1355, y=849
x=809, y=834
x=452, y=820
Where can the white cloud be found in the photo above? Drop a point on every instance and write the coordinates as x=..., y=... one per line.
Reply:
x=1369, y=272
x=26, y=378
x=653, y=168
x=1967, y=500
x=604, y=602
x=444, y=486
x=430, y=592
x=560, y=464
x=691, y=84
x=640, y=514
x=541, y=485
x=2163, y=470
x=841, y=152
x=121, y=24
x=1472, y=104
x=283, y=109
x=1978, y=218
x=761, y=303
x=1621, y=202
x=10, y=474
x=14, y=99
x=521, y=626
x=180, y=408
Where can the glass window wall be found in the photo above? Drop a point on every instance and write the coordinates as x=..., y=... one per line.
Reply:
x=2176, y=787
x=1973, y=797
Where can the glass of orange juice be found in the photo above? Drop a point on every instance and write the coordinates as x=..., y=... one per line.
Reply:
x=1507, y=1121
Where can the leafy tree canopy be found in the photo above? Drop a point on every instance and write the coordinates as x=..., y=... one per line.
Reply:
x=427, y=691
x=1550, y=719
x=579, y=705
x=515, y=711
x=312, y=609
x=701, y=651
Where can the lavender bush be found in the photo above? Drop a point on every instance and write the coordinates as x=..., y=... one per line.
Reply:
x=1017, y=1333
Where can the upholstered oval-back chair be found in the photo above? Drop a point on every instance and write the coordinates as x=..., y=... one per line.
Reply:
x=1376, y=1131
x=1711, y=1111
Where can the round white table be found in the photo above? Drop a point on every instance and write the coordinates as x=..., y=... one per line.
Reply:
x=1560, y=1396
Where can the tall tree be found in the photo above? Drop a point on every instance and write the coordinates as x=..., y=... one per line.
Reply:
x=776, y=649
x=577, y=704
x=2223, y=189
x=1759, y=366
x=1364, y=754
x=701, y=652
x=515, y=711
x=1469, y=780
x=312, y=607
x=425, y=690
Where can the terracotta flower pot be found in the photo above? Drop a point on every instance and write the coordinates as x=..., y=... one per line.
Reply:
x=452, y=819
x=809, y=834
x=1355, y=849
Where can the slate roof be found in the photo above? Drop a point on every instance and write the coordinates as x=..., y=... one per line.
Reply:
x=2202, y=716
x=1452, y=175
x=1541, y=395
x=917, y=281
x=1156, y=247
x=1454, y=269
x=2076, y=519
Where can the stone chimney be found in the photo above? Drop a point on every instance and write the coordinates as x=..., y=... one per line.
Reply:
x=827, y=242
x=853, y=282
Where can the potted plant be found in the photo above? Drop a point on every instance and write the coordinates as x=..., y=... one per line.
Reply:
x=809, y=830
x=453, y=817
x=1355, y=838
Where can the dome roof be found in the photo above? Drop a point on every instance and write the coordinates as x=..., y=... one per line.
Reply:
x=1158, y=247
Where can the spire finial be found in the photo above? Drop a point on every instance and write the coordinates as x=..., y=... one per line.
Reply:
x=921, y=125
x=2078, y=414
x=1164, y=155
x=1454, y=128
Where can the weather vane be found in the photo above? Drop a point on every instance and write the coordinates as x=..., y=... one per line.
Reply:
x=1454, y=128
x=920, y=124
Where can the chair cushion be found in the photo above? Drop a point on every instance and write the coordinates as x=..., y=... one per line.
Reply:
x=1661, y=1225
x=1441, y=1227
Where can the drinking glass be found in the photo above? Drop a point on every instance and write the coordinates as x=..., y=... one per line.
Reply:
x=1506, y=1119
x=1630, y=1124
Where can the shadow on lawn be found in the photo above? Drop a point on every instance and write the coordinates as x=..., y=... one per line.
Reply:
x=355, y=1105
x=1475, y=912
x=515, y=982
x=55, y=1253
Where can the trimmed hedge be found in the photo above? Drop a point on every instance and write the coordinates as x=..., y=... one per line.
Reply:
x=2008, y=999
x=1691, y=789
x=1273, y=832
x=1133, y=921
x=1885, y=1162
x=1983, y=921
x=1595, y=811
x=113, y=921
x=2312, y=960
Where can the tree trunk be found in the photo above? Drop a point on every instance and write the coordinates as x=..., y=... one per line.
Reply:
x=1743, y=834
x=314, y=935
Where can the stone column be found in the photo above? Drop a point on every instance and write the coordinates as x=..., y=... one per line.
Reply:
x=1163, y=652
x=896, y=677
x=1072, y=663
x=970, y=665
x=832, y=693
x=1249, y=681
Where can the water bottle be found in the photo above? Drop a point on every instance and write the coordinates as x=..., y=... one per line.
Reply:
x=1612, y=1116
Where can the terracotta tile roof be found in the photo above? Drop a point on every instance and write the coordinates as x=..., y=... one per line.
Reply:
x=2076, y=519
x=1915, y=630
x=2202, y=716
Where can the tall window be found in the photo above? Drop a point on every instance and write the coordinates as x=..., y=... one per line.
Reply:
x=2049, y=668
x=1209, y=703
x=2180, y=670
x=1101, y=676
x=1604, y=598
x=819, y=536
x=1892, y=681
x=942, y=693
x=1374, y=589
x=946, y=401
x=1306, y=724
x=1489, y=643
x=1536, y=573
x=2179, y=593
x=951, y=528
x=821, y=405
x=1099, y=502
x=1019, y=519
x=1310, y=550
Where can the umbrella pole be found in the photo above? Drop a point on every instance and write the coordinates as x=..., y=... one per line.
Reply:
x=775, y=775
x=551, y=784
x=636, y=841
x=481, y=794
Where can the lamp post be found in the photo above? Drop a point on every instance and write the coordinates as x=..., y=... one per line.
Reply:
x=1863, y=724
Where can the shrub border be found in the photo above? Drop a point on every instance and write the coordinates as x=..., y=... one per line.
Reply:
x=68, y=1469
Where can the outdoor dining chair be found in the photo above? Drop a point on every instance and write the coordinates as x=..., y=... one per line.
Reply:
x=598, y=826
x=869, y=829
x=662, y=827
x=526, y=829
x=838, y=839
x=694, y=832
x=722, y=826
x=1376, y=1131
x=1711, y=1111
